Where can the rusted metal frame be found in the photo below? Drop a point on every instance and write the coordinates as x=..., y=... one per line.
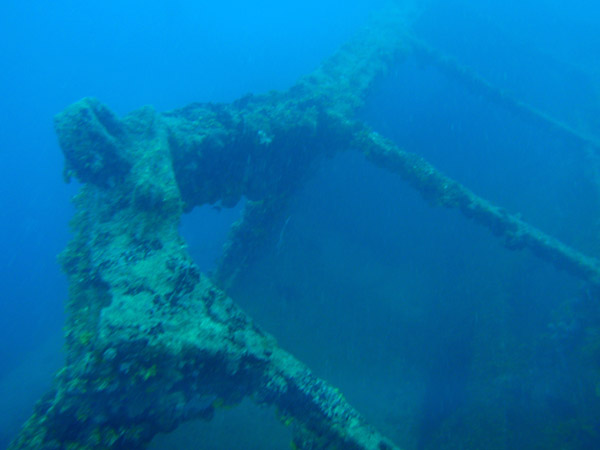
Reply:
x=151, y=343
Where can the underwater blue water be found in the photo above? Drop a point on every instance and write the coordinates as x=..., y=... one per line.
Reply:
x=356, y=233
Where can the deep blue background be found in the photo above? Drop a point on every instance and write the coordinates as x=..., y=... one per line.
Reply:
x=170, y=53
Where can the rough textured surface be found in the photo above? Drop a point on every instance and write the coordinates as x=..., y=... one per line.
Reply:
x=151, y=341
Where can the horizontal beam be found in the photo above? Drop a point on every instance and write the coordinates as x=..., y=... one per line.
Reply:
x=474, y=82
x=444, y=191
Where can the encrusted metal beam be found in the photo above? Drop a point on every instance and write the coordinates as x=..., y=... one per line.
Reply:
x=442, y=190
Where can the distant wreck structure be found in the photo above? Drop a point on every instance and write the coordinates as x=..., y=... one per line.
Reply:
x=151, y=341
